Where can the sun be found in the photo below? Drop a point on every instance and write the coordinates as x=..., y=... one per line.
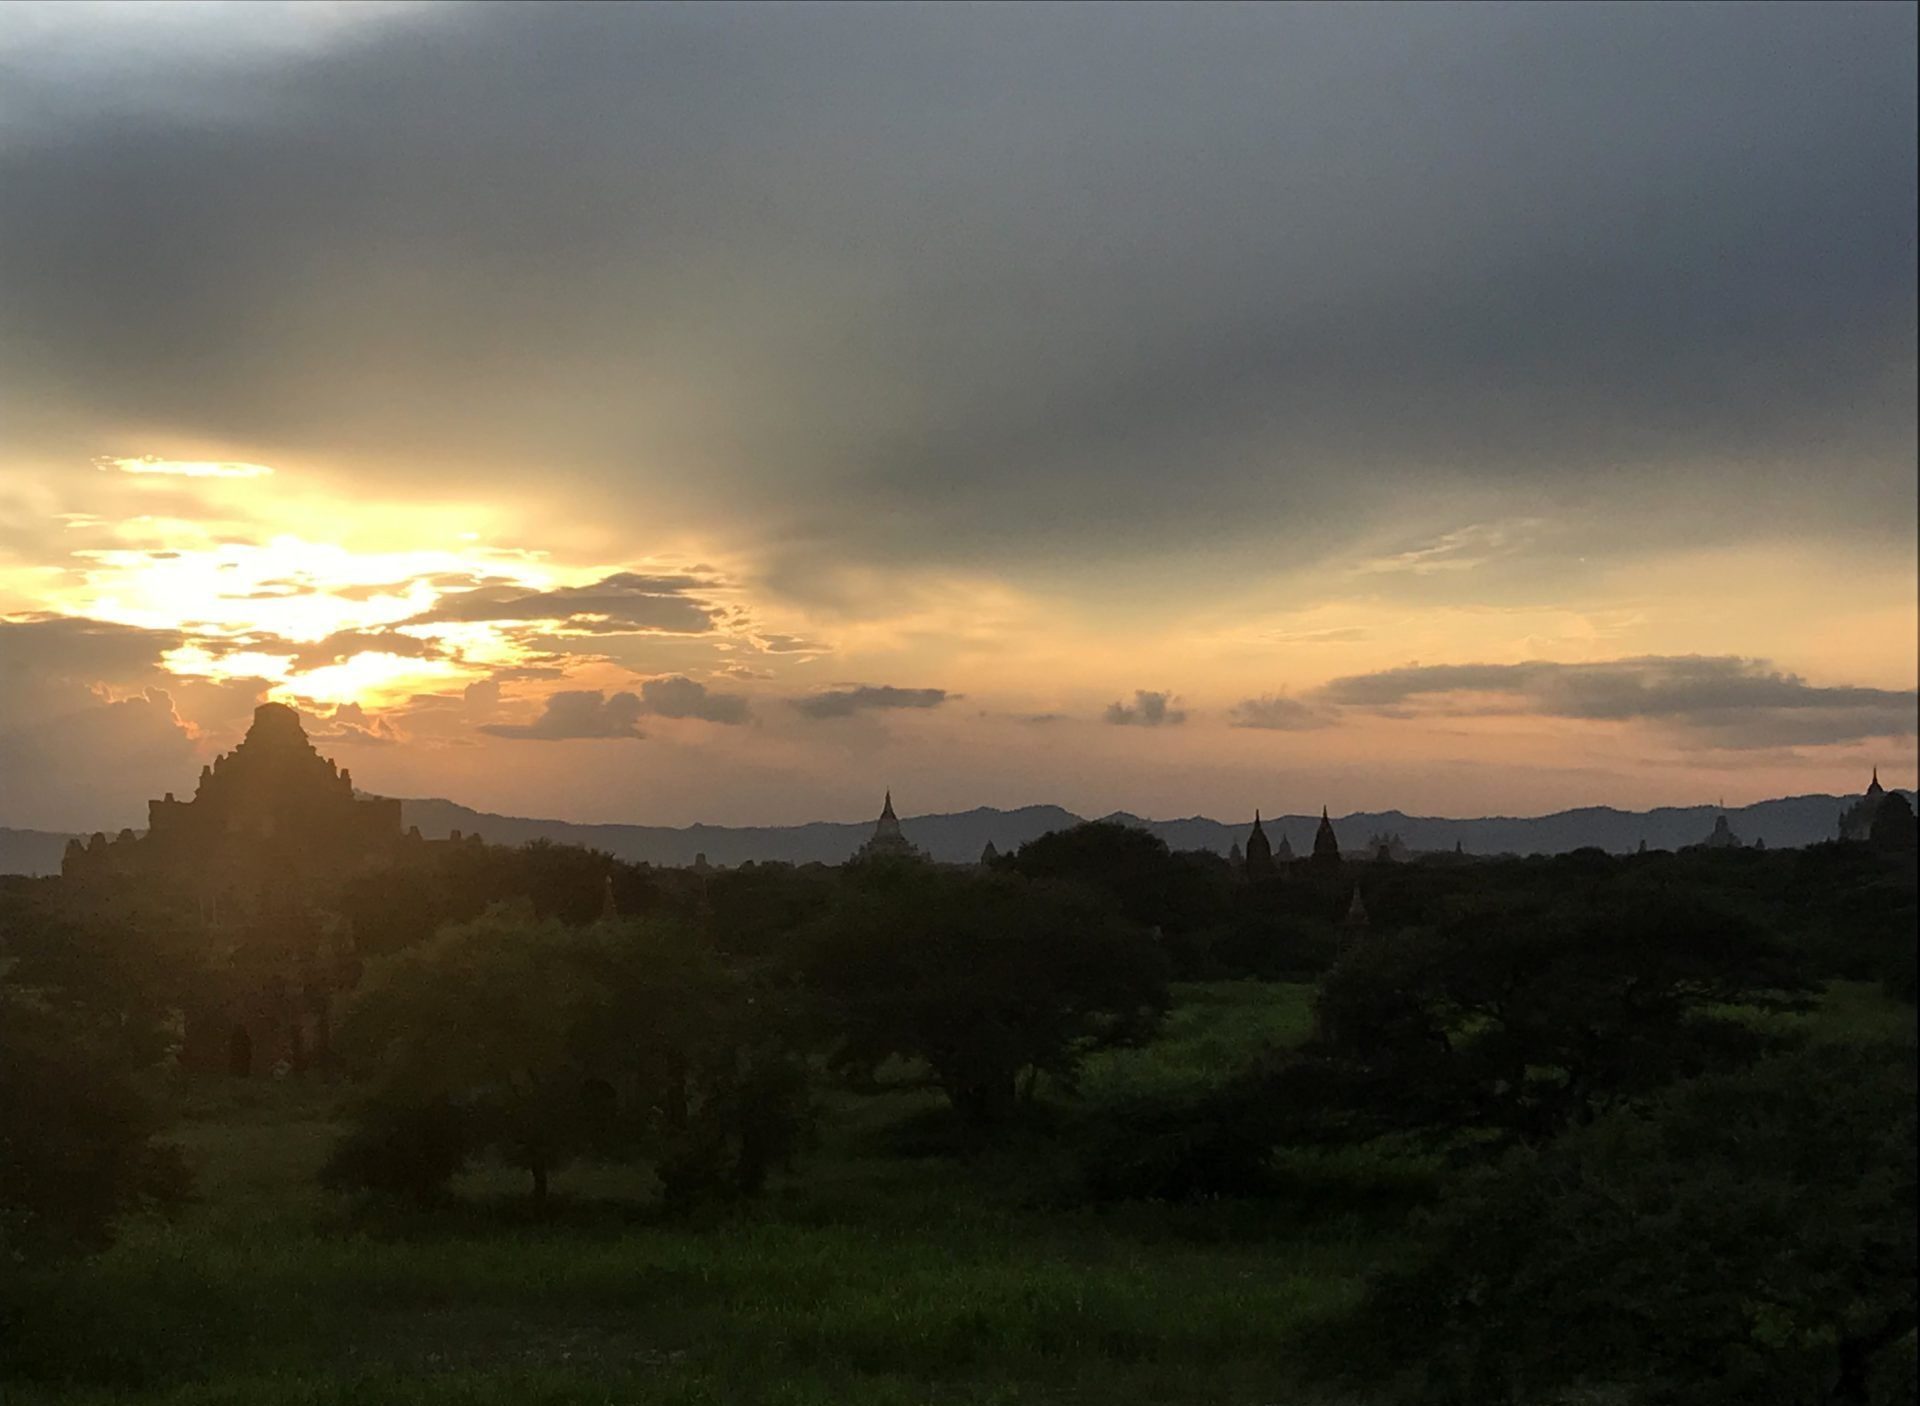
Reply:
x=318, y=622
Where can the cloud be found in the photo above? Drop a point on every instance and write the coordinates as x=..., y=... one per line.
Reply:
x=92, y=767
x=1147, y=710
x=983, y=274
x=844, y=702
x=786, y=644
x=677, y=696
x=350, y=722
x=1277, y=714
x=1463, y=549
x=344, y=644
x=1727, y=700
x=73, y=647
x=184, y=468
x=578, y=713
x=623, y=603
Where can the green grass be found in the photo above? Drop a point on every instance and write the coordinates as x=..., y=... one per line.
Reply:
x=868, y=1276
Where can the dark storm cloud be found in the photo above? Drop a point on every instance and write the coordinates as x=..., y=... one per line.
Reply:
x=845, y=702
x=624, y=603
x=679, y=697
x=1147, y=710
x=578, y=713
x=992, y=272
x=1731, y=702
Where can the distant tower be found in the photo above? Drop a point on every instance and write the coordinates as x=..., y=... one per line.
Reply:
x=1856, y=822
x=1722, y=836
x=1259, y=853
x=887, y=840
x=1235, y=857
x=988, y=855
x=1284, y=854
x=1326, y=845
x=1356, y=918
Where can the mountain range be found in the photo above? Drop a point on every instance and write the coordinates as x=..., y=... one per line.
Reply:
x=1787, y=822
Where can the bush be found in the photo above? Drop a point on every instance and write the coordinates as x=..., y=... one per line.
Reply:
x=1220, y=1143
x=541, y=1042
x=411, y=1149
x=1749, y=1240
x=986, y=978
x=77, y=1149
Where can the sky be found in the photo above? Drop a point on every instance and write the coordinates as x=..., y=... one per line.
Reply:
x=714, y=413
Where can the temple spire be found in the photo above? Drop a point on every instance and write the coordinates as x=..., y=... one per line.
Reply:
x=887, y=836
x=1326, y=846
x=1259, y=857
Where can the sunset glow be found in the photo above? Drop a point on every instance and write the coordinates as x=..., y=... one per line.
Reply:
x=1240, y=482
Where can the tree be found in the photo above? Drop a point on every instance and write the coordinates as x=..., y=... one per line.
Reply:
x=1749, y=1239
x=540, y=1042
x=1177, y=895
x=82, y=1018
x=1531, y=1020
x=481, y=1017
x=1893, y=826
x=985, y=977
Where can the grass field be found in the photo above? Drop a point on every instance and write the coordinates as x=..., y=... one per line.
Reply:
x=871, y=1275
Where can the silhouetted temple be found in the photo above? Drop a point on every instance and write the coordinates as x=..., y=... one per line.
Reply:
x=1326, y=845
x=1388, y=847
x=1722, y=836
x=1259, y=853
x=272, y=831
x=271, y=811
x=1856, y=821
x=887, y=840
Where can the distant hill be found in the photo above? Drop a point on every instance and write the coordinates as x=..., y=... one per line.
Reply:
x=949, y=837
x=1785, y=823
x=31, y=851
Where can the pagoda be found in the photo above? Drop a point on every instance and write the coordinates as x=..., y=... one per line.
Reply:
x=888, y=841
x=1259, y=861
x=1856, y=822
x=260, y=853
x=1326, y=845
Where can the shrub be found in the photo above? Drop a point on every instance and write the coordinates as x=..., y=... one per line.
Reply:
x=1748, y=1239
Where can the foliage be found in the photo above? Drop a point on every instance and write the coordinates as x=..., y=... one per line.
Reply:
x=408, y=1146
x=1529, y=1020
x=984, y=977
x=1177, y=896
x=539, y=1041
x=1748, y=1239
x=83, y=1006
x=432, y=886
x=77, y=1149
x=118, y=957
x=1186, y=1146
